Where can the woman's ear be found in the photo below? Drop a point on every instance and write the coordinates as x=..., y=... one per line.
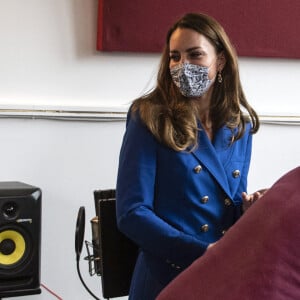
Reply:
x=221, y=62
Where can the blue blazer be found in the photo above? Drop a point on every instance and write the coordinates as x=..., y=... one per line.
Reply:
x=173, y=204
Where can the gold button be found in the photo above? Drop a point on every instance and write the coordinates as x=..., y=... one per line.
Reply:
x=227, y=202
x=204, y=228
x=198, y=169
x=204, y=199
x=236, y=173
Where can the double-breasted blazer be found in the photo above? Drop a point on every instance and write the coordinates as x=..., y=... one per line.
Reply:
x=271, y=267
x=173, y=204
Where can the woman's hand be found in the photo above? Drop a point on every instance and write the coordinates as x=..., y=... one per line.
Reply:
x=249, y=199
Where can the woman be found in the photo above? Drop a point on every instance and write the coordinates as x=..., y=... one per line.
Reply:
x=185, y=155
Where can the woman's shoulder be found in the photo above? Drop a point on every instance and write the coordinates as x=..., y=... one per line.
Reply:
x=145, y=110
x=135, y=120
x=245, y=125
x=133, y=116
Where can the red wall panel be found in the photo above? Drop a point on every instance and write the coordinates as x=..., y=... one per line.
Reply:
x=263, y=28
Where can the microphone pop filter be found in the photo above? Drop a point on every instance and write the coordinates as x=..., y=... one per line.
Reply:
x=79, y=233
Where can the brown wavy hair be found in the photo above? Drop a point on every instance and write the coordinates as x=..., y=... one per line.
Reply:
x=172, y=118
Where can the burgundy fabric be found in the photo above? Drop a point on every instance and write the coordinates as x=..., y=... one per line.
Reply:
x=258, y=258
x=257, y=28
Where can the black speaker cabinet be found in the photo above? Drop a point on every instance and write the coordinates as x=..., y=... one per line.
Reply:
x=20, y=239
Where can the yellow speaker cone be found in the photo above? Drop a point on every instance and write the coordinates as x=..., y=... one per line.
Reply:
x=14, y=244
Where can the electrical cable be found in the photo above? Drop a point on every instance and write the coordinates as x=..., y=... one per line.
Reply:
x=51, y=292
x=82, y=281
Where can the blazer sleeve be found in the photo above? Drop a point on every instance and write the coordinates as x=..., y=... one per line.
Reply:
x=135, y=193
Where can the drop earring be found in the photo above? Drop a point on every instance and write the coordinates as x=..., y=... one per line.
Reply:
x=220, y=78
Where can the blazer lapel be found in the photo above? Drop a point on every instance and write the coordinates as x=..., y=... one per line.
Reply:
x=207, y=155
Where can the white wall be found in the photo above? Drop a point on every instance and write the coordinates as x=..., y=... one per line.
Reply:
x=48, y=59
x=68, y=161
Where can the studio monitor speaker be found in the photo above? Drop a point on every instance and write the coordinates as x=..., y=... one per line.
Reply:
x=20, y=239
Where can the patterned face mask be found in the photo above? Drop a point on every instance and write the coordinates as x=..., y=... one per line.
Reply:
x=192, y=80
